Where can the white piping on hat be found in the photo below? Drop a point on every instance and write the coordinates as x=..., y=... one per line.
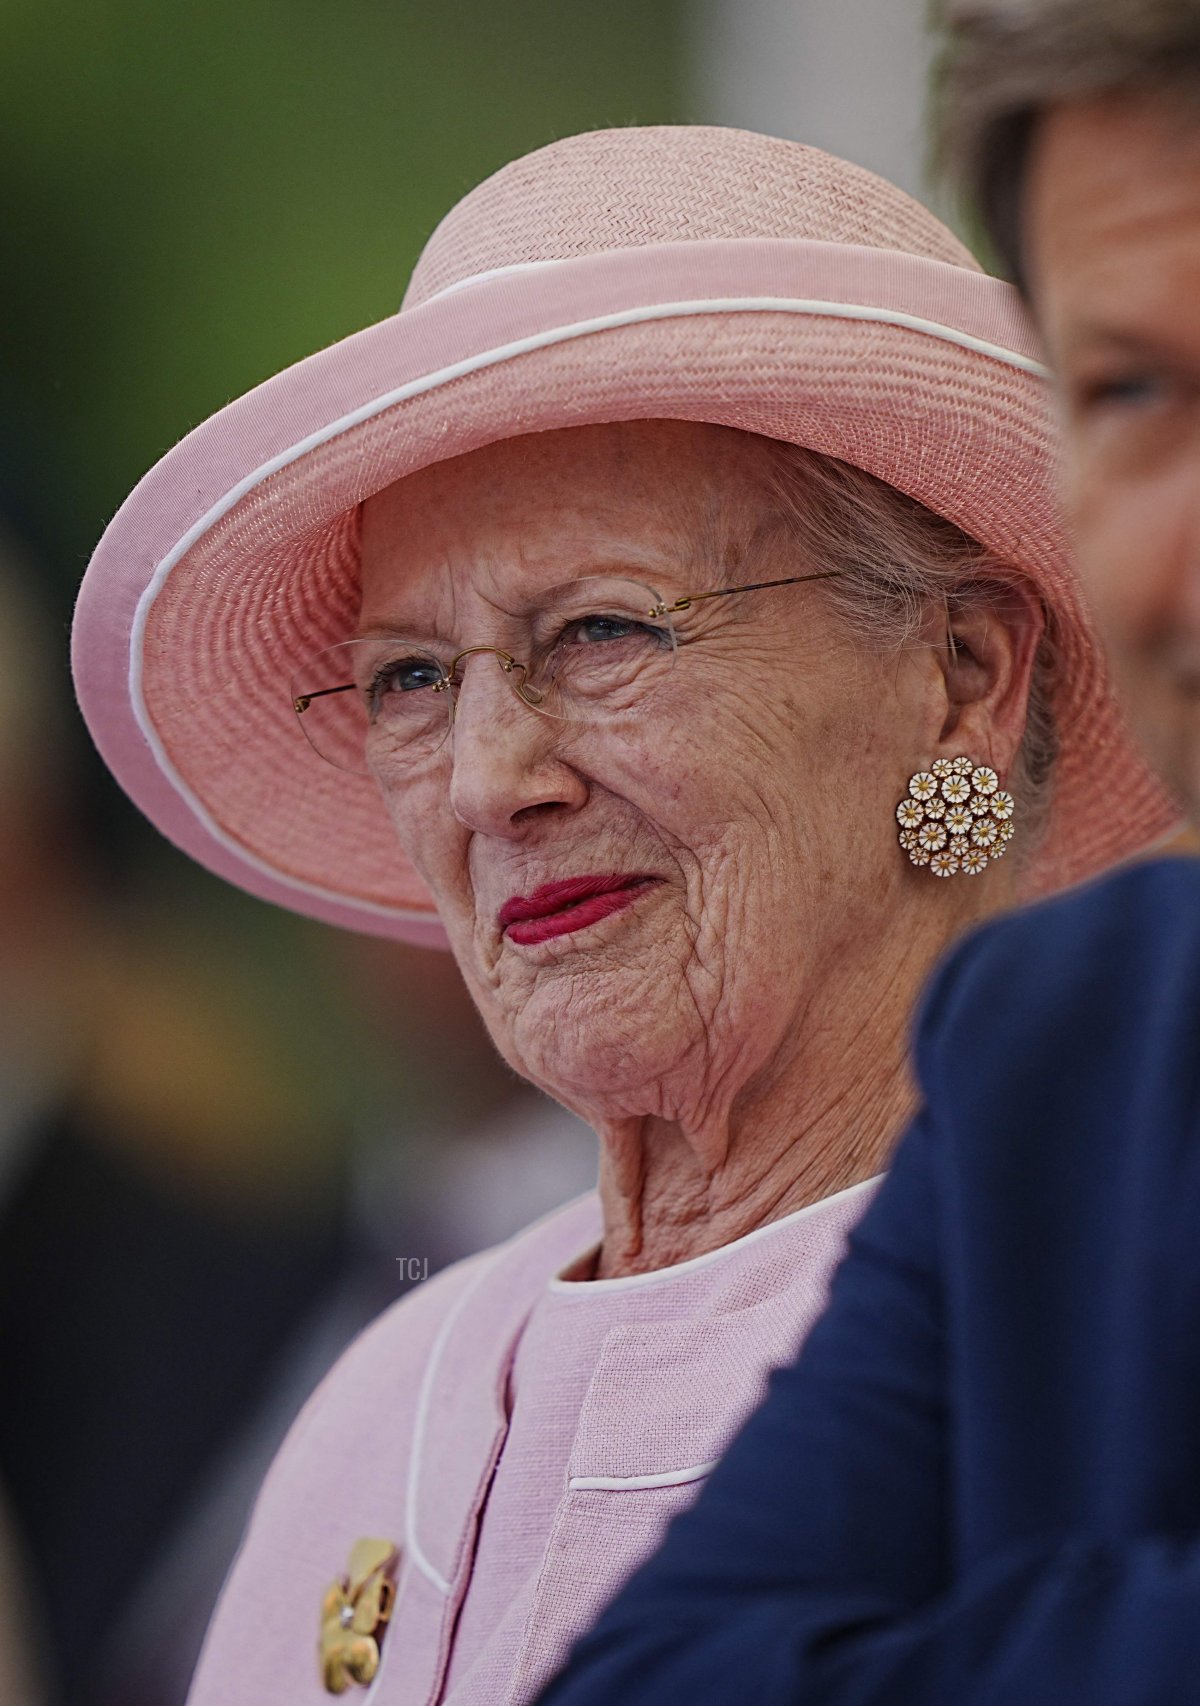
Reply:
x=490, y=272
x=632, y=1483
x=420, y=387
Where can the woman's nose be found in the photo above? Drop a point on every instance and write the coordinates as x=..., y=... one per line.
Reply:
x=506, y=758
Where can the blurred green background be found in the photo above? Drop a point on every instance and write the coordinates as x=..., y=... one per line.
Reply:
x=193, y=196
x=196, y=194
x=219, y=1125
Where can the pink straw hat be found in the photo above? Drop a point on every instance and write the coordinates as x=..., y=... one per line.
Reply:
x=687, y=273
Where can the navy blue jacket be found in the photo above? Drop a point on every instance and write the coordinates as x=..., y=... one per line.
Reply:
x=981, y=1481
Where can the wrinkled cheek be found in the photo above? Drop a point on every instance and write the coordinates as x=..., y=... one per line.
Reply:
x=435, y=846
x=677, y=770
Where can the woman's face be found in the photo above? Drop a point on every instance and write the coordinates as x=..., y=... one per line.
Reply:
x=747, y=805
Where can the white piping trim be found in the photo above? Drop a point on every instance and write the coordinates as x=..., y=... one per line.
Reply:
x=412, y=1544
x=581, y=1289
x=431, y=382
x=631, y=1483
x=489, y=273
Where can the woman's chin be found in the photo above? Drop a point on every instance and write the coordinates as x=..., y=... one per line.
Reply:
x=580, y=1048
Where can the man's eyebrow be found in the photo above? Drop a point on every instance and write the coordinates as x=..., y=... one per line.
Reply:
x=1096, y=335
x=1158, y=352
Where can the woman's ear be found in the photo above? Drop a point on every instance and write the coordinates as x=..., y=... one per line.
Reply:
x=987, y=660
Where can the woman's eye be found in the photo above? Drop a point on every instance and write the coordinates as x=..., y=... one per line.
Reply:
x=405, y=675
x=597, y=630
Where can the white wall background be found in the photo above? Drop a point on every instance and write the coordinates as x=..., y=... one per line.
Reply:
x=848, y=75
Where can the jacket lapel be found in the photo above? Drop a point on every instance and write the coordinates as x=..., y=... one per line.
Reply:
x=461, y=1424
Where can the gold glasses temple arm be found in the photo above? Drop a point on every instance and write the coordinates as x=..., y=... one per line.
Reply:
x=301, y=704
x=691, y=598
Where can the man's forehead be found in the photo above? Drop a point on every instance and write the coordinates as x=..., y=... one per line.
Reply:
x=1110, y=183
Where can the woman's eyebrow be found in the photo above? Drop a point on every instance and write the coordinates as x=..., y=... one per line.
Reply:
x=402, y=624
x=383, y=630
x=673, y=576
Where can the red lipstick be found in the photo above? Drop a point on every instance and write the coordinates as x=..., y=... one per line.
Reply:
x=556, y=909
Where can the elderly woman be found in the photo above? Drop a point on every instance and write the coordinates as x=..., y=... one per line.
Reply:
x=666, y=609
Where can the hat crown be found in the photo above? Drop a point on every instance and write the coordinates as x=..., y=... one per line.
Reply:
x=623, y=189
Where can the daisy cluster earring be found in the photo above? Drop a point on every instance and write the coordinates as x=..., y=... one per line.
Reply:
x=955, y=817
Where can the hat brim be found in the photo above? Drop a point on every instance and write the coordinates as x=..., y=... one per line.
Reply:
x=236, y=557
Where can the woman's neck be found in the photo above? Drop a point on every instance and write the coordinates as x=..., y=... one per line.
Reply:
x=818, y=1123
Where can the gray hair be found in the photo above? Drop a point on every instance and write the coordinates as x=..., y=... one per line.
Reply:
x=1006, y=62
x=895, y=559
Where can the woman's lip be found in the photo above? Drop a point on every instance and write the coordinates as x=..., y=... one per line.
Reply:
x=555, y=909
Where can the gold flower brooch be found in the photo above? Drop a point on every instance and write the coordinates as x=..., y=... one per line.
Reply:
x=355, y=1613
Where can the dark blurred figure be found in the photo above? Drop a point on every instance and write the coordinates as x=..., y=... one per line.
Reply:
x=140, y=1314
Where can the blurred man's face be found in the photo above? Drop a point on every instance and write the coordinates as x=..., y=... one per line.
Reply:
x=1113, y=238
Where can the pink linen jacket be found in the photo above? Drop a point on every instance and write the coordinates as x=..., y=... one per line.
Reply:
x=401, y=1439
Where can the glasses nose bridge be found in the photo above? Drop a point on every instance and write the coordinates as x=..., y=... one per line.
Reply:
x=515, y=673
x=506, y=660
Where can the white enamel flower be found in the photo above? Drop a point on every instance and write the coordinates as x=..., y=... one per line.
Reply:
x=985, y=780
x=958, y=820
x=923, y=786
x=1001, y=806
x=978, y=804
x=936, y=807
x=956, y=789
x=959, y=845
x=997, y=850
x=984, y=833
x=918, y=855
x=932, y=837
x=943, y=864
x=908, y=838
x=941, y=768
x=909, y=814
x=974, y=861
x=961, y=766
x=1007, y=830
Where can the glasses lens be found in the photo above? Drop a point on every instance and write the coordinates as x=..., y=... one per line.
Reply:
x=597, y=650
x=370, y=705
